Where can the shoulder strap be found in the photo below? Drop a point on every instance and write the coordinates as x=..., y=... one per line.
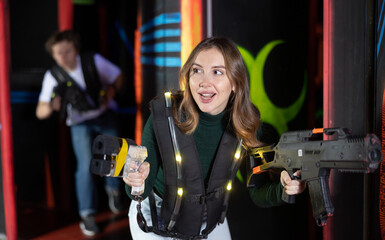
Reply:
x=60, y=75
x=225, y=166
x=161, y=113
x=91, y=76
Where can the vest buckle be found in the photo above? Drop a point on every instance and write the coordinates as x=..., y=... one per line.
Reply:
x=202, y=199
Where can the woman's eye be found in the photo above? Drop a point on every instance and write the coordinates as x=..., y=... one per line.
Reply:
x=196, y=70
x=217, y=72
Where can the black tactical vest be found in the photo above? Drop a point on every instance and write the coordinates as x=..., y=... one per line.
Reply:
x=196, y=200
x=70, y=90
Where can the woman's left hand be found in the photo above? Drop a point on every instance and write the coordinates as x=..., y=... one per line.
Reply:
x=137, y=179
x=292, y=186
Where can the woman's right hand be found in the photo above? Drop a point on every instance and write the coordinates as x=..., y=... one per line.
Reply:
x=136, y=179
x=292, y=186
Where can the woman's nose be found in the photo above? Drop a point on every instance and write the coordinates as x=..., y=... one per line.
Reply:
x=205, y=80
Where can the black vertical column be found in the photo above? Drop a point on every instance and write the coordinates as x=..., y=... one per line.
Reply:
x=378, y=182
x=349, y=88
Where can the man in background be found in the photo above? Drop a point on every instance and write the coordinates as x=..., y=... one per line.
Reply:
x=82, y=88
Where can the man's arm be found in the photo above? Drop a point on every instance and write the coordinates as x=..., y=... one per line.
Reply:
x=43, y=110
x=46, y=105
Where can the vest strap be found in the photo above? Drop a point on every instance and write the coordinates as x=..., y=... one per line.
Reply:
x=203, y=199
x=234, y=168
x=178, y=159
x=141, y=220
x=91, y=77
x=154, y=214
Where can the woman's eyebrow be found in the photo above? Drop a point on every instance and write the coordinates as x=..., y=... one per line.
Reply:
x=220, y=66
x=197, y=64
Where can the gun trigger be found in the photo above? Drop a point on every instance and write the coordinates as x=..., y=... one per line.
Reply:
x=292, y=176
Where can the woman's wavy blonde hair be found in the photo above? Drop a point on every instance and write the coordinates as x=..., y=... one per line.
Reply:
x=243, y=115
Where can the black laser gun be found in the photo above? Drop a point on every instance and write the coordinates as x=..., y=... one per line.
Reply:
x=112, y=157
x=300, y=150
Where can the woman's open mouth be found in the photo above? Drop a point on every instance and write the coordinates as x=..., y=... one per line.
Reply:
x=207, y=97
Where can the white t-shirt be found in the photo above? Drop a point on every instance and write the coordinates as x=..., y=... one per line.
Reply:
x=107, y=71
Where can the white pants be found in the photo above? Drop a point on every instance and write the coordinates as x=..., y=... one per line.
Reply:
x=221, y=231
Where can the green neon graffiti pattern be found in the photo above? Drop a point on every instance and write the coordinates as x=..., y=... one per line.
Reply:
x=275, y=116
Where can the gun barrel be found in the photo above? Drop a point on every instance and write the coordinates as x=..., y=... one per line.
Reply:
x=299, y=151
x=353, y=154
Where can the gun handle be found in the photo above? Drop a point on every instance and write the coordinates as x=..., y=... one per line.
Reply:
x=320, y=199
x=288, y=198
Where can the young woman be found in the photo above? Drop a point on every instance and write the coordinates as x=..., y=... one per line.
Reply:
x=195, y=140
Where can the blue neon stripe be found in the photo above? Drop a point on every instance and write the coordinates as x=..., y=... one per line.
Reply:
x=379, y=19
x=124, y=38
x=382, y=29
x=161, y=47
x=20, y=101
x=161, y=61
x=165, y=18
x=24, y=97
x=24, y=94
x=161, y=33
x=380, y=39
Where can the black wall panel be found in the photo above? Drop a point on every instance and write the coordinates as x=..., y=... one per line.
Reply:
x=253, y=25
x=376, y=183
x=352, y=94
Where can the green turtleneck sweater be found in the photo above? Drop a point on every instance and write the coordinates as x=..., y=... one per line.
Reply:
x=207, y=137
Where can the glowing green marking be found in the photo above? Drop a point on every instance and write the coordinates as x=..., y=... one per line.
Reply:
x=275, y=116
x=239, y=176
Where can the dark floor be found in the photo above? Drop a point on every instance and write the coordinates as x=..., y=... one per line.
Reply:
x=40, y=223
